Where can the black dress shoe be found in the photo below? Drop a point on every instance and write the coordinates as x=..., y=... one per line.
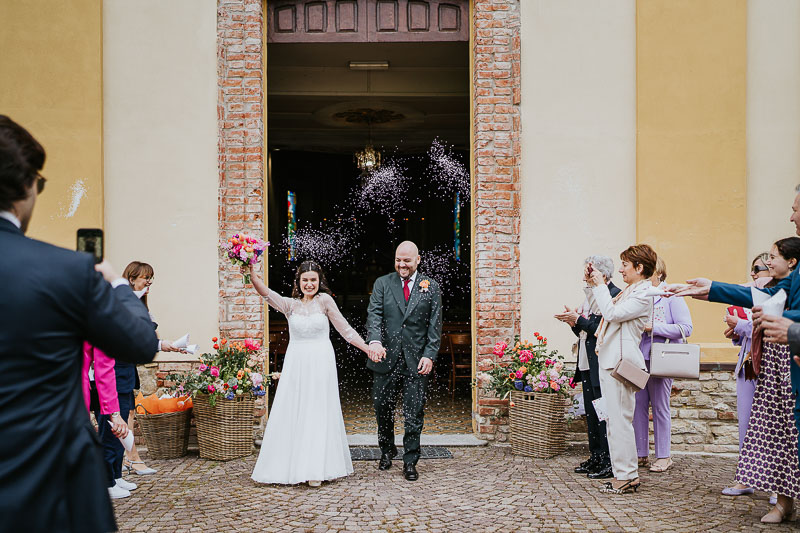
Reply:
x=586, y=466
x=605, y=472
x=386, y=462
x=410, y=472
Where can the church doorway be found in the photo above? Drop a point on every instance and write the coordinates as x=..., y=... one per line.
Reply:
x=368, y=145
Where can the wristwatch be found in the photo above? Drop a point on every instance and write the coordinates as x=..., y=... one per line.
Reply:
x=116, y=413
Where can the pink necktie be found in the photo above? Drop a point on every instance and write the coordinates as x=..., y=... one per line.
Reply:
x=406, y=290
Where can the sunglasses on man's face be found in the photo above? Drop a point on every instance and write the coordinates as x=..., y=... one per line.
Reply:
x=40, y=181
x=759, y=268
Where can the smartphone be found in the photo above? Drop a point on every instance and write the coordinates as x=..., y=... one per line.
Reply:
x=90, y=240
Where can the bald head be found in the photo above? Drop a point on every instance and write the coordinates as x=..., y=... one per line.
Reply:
x=406, y=259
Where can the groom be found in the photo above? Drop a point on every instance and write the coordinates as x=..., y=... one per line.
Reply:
x=404, y=331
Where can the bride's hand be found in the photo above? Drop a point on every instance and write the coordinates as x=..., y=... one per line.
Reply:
x=248, y=271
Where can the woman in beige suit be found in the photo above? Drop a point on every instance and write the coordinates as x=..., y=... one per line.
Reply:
x=618, y=337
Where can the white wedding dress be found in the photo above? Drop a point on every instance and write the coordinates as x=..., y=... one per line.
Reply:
x=305, y=437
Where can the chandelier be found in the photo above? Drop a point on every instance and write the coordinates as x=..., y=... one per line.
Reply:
x=369, y=158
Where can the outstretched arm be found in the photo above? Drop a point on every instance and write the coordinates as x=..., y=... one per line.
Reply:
x=340, y=323
x=275, y=300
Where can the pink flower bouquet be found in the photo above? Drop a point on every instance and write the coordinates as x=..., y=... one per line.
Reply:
x=244, y=250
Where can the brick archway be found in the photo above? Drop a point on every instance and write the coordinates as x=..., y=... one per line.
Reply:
x=495, y=38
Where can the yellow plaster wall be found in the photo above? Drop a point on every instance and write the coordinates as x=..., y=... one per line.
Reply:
x=51, y=72
x=691, y=58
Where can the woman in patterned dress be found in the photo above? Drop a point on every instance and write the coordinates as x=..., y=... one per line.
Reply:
x=768, y=459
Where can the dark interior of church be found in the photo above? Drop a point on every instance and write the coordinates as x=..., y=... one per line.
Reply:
x=333, y=202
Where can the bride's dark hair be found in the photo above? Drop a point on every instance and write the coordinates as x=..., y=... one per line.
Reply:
x=310, y=266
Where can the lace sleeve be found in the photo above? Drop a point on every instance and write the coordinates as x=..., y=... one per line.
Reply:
x=278, y=302
x=339, y=322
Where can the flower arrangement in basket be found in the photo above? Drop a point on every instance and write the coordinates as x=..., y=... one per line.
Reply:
x=538, y=384
x=233, y=370
x=526, y=367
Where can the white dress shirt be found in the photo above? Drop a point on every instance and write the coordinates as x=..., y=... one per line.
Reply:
x=11, y=217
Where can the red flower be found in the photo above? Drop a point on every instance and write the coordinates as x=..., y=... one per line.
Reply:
x=536, y=334
x=216, y=346
x=223, y=341
x=213, y=339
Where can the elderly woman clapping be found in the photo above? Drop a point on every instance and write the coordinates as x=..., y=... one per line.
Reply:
x=584, y=321
x=618, y=336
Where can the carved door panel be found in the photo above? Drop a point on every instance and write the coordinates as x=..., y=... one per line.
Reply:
x=311, y=21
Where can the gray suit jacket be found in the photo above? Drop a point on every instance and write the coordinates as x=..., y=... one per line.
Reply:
x=408, y=331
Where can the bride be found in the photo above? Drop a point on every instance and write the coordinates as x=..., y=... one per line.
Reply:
x=305, y=438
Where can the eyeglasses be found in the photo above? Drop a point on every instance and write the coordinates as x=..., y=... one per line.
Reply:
x=40, y=181
x=759, y=268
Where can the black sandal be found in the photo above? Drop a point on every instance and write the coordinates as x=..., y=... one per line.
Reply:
x=630, y=486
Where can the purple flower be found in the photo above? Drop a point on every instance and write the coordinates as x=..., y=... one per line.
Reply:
x=519, y=384
x=528, y=388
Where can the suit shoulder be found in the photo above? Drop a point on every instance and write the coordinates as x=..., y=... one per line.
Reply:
x=386, y=278
x=53, y=255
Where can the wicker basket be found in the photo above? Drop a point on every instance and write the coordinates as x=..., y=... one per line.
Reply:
x=538, y=424
x=166, y=434
x=225, y=431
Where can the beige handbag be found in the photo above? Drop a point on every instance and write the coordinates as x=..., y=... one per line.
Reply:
x=628, y=373
x=674, y=360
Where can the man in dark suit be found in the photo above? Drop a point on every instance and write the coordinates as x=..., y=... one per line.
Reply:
x=52, y=475
x=598, y=466
x=714, y=291
x=404, y=331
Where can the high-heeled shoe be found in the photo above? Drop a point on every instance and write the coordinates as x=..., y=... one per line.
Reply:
x=632, y=485
x=143, y=472
x=778, y=514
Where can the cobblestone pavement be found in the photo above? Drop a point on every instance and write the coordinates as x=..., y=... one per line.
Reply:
x=481, y=489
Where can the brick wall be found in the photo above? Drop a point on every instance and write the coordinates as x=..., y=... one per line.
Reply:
x=497, y=191
x=241, y=161
x=241, y=155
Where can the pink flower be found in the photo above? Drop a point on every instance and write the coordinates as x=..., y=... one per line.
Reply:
x=520, y=374
x=215, y=371
x=257, y=379
x=500, y=348
x=555, y=386
x=202, y=367
x=211, y=389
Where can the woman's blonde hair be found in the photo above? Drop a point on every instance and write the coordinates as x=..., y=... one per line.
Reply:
x=661, y=269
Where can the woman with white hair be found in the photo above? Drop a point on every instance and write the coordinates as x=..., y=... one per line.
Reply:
x=584, y=321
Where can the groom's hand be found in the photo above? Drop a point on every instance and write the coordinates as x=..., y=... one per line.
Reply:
x=376, y=352
x=425, y=366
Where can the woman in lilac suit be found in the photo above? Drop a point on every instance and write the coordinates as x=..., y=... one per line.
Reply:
x=740, y=331
x=670, y=316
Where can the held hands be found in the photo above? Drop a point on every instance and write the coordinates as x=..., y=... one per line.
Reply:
x=376, y=352
x=696, y=288
x=425, y=366
x=776, y=328
x=120, y=429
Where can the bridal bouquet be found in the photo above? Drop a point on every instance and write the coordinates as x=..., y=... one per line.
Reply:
x=244, y=250
x=527, y=366
x=234, y=369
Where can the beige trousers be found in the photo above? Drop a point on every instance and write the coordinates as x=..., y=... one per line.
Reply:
x=620, y=400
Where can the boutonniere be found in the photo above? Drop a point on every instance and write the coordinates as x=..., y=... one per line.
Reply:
x=423, y=285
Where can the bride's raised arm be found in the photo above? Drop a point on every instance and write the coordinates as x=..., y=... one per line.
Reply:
x=340, y=323
x=275, y=300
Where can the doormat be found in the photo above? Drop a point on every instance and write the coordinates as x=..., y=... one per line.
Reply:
x=364, y=453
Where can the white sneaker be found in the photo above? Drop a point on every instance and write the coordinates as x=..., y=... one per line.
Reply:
x=126, y=485
x=118, y=492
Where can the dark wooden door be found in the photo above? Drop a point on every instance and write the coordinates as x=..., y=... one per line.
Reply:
x=361, y=21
